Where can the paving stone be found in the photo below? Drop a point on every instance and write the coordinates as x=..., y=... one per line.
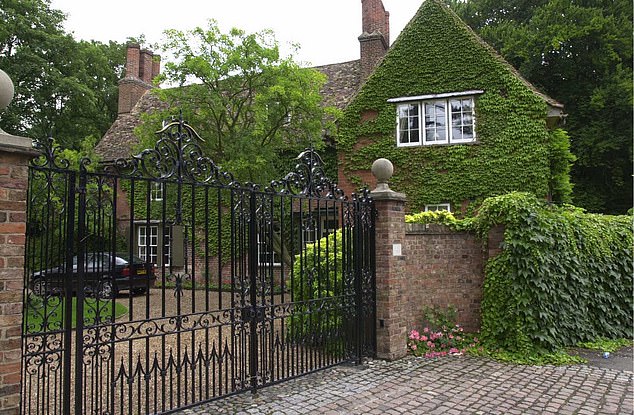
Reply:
x=460, y=385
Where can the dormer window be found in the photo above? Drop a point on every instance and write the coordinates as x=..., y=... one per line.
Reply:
x=436, y=119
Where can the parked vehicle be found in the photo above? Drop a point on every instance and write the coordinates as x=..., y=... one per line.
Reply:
x=104, y=276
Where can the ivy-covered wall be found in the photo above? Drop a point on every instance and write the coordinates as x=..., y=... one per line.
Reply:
x=563, y=276
x=438, y=53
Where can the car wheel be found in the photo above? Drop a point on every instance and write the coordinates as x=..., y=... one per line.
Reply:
x=39, y=287
x=106, y=289
x=139, y=291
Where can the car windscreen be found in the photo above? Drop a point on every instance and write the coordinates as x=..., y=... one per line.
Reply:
x=124, y=258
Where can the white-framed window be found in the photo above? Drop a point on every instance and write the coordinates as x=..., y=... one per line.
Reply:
x=408, y=125
x=266, y=252
x=167, y=245
x=437, y=207
x=148, y=243
x=435, y=119
x=156, y=192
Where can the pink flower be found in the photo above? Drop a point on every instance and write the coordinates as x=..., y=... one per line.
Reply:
x=451, y=336
x=432, y=345
x=453, y=350
x=429, y=344
x=413, y=335
x=414, y=347
x=423, y=338
x=426, y=330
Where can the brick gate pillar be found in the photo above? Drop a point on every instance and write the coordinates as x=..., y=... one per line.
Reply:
x=391, y=337
x=15, y=154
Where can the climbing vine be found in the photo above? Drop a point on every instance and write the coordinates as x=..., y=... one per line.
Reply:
x=563, y=277
x=514, y=150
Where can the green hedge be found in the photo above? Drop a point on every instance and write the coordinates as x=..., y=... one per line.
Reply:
x=320, y=292
x=564, y=276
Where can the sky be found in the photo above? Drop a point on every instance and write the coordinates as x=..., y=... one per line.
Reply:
x=326, y=30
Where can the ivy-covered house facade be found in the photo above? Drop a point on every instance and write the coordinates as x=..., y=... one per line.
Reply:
x=458, y=122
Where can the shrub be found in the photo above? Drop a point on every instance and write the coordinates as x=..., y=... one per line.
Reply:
x=320, y=291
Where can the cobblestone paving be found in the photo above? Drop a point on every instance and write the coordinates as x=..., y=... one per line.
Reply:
x=450, y=385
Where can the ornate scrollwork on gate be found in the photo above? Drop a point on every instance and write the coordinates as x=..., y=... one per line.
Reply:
x=51, y=155
x=176, y=154
x=308, y=179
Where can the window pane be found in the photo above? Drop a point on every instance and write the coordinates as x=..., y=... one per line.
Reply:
x=467, y=133
x=402, y=124
x=435, y=121
x=404, y=137
x=462, y=120
x=408, y=124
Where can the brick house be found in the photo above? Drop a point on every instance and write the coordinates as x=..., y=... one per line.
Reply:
x=458, y=122
x=388, y=95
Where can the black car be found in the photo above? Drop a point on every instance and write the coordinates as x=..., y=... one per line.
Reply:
x=104, y=276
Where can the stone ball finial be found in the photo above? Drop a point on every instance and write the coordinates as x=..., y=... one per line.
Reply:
x=382, y=169
x=6, y=90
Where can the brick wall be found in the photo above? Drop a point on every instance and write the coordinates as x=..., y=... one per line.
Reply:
x=444, y=268
x=434, y=267
x=13, y=185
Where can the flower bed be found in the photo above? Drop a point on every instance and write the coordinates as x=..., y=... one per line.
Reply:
x=438, y=343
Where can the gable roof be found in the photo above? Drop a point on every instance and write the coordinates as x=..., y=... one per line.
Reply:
x=343, y=80
x=554, y=104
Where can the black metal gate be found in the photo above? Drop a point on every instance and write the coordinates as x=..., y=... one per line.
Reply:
x=159, y=282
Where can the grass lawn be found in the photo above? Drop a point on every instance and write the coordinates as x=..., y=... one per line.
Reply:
x=50, y=316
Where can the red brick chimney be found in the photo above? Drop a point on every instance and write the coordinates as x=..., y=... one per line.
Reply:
x=375, y=39
x=140, y=69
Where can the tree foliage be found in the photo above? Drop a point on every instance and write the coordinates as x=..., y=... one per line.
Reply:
x=245, y=100
x=63, y=87
x=580, y=53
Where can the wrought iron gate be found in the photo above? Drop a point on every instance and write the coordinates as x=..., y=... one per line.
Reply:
x=159, y=282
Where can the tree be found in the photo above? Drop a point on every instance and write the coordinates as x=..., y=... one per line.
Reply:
x=63, y=87
x=248, y=103
x=580, y=53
